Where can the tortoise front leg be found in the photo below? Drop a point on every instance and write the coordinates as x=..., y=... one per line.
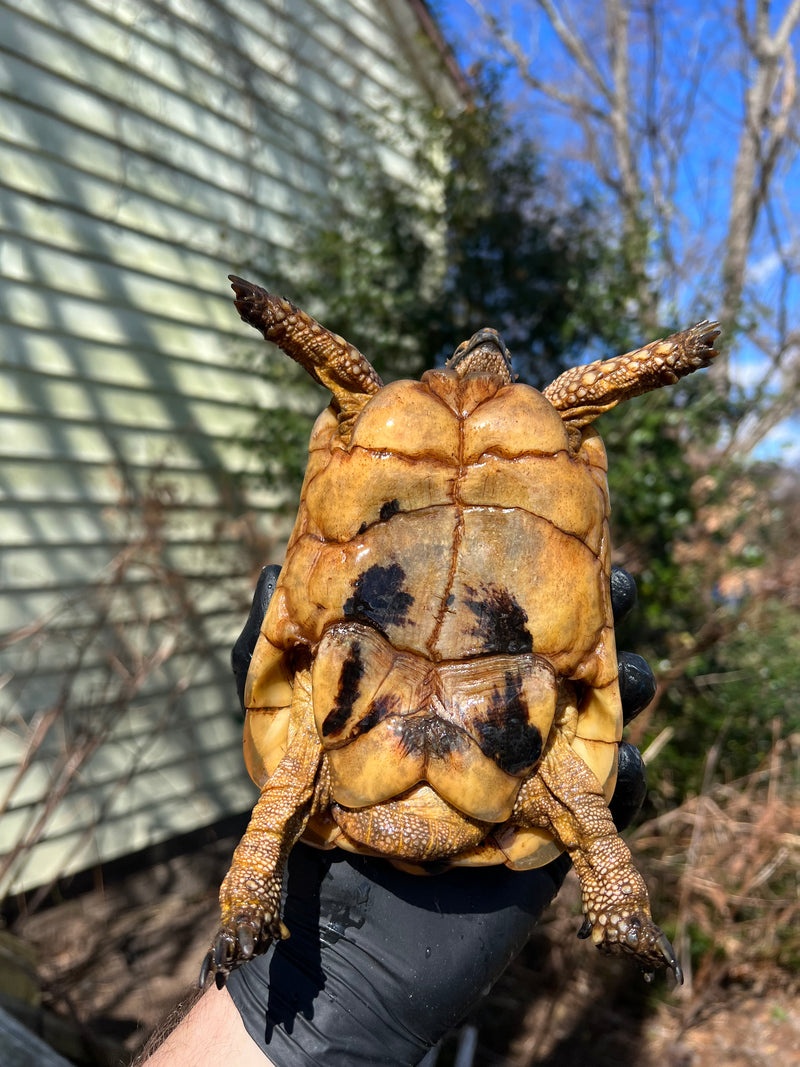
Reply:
x=250, y=895
x=566, y=798
x=328, y=358
x=582, y=393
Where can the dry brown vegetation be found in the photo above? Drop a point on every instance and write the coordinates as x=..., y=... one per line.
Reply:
x=724, y=869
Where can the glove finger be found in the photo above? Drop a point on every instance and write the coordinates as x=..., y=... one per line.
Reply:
x=631, y=788
x=242, y=651
x=624, y=596
x=637, y=684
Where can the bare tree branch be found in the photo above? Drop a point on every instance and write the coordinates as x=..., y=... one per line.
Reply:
x=572, y=101
x=576, y=48
x=635, y=110
x=769, y=101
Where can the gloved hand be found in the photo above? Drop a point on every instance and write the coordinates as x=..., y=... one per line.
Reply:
x=381, y=963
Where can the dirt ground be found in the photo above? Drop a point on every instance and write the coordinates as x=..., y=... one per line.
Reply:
x=113, y=961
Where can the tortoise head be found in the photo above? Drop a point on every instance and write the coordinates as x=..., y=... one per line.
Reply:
x=484, y=353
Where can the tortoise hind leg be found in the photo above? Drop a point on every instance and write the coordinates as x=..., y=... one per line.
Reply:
x=250, y=895
x=566, y=798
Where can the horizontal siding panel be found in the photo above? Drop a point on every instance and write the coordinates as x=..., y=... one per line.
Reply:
x=157, y=117
x=234, y=385
x=151, y=199
x=145, y=788
x=98, y=832
x=178, y=301
x=100, y=484
x=21, y=609
x=141, y=193
x=97, y=642
x=116, y=407
x=363, y=34
x=34, y=590
x=80, y=518
x=103, y=322
x=42, y=225
x=112, y=405
x=195, y=64
x=198, y=142
x=181, y=710
x=212, y=596
x=166, y=752
x=140, y=774
x=25, y=385
x=95, y=662
x=70, y=564
x=129, y=832
x=141, y=579
x=90, y=523
x=113, y=323
x=33, y=438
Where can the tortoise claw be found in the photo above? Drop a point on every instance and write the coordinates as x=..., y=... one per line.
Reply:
x=246, y=940
x=223, y=951
x=205, y=969
x=239, y=941
x=636, y=935
x=670, y=959
x=585, y=930
x=214, y=962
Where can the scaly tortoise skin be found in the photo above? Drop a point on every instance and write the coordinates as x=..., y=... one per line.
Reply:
x=435, y=680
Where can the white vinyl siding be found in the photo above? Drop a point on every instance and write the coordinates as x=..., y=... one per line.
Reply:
x=148, y=149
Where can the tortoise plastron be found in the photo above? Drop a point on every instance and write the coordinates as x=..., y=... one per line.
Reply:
x=435, y=680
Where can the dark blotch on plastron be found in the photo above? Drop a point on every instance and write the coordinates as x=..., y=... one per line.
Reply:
x=380, y=709
x=391, y=507
x=505, y=735
x=501, y=621
x=347, y=693
x=431, y=735
x=378, y=597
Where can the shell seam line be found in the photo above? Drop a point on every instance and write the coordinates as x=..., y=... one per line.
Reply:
x=460, y=508
x=458, y=535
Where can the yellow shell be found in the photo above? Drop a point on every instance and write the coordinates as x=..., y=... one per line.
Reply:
x=447, y=585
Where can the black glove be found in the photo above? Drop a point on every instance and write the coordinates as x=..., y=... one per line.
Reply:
x=242, y=651
x=382, y=963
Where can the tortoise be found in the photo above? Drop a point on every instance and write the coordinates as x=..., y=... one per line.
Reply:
x=435, y=679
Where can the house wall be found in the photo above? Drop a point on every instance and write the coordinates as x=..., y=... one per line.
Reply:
x=147, y=149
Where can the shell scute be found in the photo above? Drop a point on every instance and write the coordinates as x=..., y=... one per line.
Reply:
x=392, y=576
x=461, y=395
x=563, y=605
x=592, y=449
x=358, y=488
x=406, y=419
x=557, y=488
x=516, y=420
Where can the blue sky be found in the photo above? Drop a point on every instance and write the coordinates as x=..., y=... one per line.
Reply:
x=701, y=41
